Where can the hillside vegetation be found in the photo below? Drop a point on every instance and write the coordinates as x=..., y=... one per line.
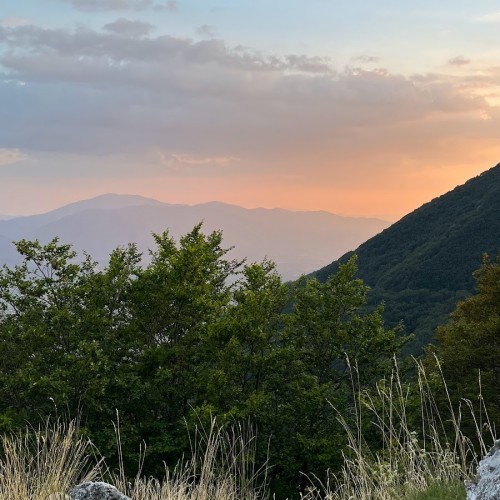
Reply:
x=190, y=336
x=217, y=376
x=422, y=265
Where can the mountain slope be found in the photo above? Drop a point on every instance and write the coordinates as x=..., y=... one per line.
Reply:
x=8, y=254
x=297, y=241
x=421, y=265
x=20, y=227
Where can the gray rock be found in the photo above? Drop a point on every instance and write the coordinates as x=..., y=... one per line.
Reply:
x=96, y=491
x=487, y=485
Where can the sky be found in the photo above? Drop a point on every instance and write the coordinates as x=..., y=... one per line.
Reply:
x=359, y=108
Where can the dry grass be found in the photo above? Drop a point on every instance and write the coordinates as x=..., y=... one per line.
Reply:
x=42, y=463
x=46, y=463
x=412, y=459
x=222, y=467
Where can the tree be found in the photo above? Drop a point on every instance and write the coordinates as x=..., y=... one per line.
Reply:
x=469, y=345
x=327, y=327
x=39, y=300
x=192, y=335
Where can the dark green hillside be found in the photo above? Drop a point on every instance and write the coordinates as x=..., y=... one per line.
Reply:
x=423, y=264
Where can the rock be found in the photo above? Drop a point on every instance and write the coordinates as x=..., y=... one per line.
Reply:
x=96, y=491
x=487, y=485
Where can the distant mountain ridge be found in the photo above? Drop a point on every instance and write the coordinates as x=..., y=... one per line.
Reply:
x=297, y=241
x=421, y=265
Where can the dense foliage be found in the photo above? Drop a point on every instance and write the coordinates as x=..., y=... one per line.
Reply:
x=194, y=334
x=469, y=348
x=422, y=265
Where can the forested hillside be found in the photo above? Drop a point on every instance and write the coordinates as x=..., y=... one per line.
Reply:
x=422, y=265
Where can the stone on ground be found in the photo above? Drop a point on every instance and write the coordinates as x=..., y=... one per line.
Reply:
x=96, y=491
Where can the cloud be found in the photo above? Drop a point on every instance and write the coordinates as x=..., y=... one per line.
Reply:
x=110, y=5
x=199, y=70
x=493, y=17
x=13, y=81
x=10, y=156
x=121, y=95
x=188, y=164
x=206, y=31
x=192, y=160
x=459, y=61
x=127, y=28
x=30, y=44
x=366, y=59
x=121, y=5
x=14, y=21
x=172, y=5
x=309, y=64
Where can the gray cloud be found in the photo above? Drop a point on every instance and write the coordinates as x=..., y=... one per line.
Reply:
x=206, y=31
x=10, y=156
x=122, y=5
x=366, y=59
x=84, y=44
x=13, y=21
x=172, y=5
x=124, y=92
x=127, y=28
x=459, y=61
x=309, y=64
x=182, y=164
x=110, y=5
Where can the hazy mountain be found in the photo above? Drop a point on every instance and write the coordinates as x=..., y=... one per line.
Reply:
x=20, y=227
x=8, y=254
x=422, y=265
x=297, y=241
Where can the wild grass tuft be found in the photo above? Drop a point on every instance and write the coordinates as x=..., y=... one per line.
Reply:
x=408, y=460
x=417, y=460
x=221, y=466
x=45, y=462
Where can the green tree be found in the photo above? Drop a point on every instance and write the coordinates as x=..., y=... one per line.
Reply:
x=327, y=327
x=65, y=342
x=40, y=300
x=191, y=335
x=469, y=345
x=186, y=288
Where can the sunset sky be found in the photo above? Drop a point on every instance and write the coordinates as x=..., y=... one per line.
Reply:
x=356, y=107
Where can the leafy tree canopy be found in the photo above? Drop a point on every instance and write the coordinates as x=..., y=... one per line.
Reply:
x=469, y=345
x=193, y=334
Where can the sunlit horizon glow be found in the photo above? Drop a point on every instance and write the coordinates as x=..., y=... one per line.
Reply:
x=357, y=109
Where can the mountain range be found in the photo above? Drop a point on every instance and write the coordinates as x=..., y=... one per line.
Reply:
x=423, y=264
x=419, y=267
x=298, y=242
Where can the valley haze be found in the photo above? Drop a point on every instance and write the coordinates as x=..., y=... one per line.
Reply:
x=297, y=241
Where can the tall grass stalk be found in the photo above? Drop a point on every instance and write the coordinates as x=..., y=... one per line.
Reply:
x=410, y=459
x=222, y=466
x=45, y=462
